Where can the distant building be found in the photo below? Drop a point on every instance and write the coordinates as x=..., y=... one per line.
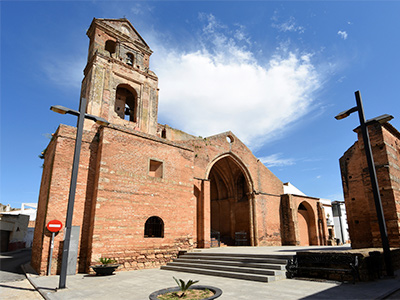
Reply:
x=17, y=235
x=327, y=204
x=340, y=222
x=360, y=205
x=13, y=231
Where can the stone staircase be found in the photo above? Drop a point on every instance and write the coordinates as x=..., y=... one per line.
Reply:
x=255, y=267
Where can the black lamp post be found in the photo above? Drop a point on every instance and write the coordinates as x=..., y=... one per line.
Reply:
x=74, y=176
x=372, y=173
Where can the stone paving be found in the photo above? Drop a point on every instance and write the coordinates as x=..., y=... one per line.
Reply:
x=18, y=290
x=138, y=285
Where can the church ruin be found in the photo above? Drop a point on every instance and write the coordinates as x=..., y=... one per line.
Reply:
x=145, y=190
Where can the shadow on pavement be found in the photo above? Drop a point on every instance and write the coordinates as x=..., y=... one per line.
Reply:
x=15, y=287
x=379, y=289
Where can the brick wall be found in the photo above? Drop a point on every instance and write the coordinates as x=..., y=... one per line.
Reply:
x=302, y=226
x=360, y=205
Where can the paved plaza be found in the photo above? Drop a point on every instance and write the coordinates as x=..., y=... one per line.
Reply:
x=138, y=285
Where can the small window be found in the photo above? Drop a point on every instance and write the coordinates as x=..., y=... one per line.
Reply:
x=110, y=46
x=164, y=133
x=129, y=59
x=156, y=168
x=154, y=227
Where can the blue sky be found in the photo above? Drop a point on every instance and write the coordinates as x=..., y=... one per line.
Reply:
x=274, y=73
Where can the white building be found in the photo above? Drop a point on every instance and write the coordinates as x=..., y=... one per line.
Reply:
x=27, y=209
x=340, y=222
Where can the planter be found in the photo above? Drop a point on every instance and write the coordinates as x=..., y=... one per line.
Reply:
x=217, y=292
x=105, y=269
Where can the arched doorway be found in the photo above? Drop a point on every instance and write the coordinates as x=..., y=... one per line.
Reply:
x=306, y=225
x=230, y=202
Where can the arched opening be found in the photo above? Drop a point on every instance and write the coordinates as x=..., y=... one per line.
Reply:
x=306, y=225
x=110, y=46
x=230, y=206
x=154, y=227
x=126, y=103
x=129, y=59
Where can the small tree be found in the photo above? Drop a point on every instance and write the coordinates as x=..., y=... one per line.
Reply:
x=184, y=286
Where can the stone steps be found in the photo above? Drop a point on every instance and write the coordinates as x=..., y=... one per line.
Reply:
x=270, y=266
x=255, y=267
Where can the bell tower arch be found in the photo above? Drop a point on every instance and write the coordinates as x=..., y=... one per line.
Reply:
x=118, y=84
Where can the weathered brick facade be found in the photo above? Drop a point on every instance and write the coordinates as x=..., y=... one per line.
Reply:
x=147, y=191
x=360, y=205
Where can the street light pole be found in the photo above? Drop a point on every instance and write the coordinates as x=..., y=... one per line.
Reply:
x=372, y=174
x=74, y=177
x=71, y=197
x=375, y=186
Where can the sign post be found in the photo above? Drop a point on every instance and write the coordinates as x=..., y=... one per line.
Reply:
x=53, y=226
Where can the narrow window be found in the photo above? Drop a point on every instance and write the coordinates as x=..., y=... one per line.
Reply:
x=154, y=227
x=129, y=59
x=241, y=189
x=164, y=133
x=156, y=168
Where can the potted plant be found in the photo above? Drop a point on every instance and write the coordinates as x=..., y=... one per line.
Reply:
x=107, y=266
x=186, y=291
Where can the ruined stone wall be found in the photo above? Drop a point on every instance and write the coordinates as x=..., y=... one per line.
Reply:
x=360, y=206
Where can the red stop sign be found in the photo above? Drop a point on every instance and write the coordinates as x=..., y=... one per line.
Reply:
x=54, y=226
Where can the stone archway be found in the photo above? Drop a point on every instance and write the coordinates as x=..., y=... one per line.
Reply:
x=231, y=209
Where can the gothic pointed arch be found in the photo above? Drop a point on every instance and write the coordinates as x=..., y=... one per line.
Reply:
x=238, y=163
x=230, y=196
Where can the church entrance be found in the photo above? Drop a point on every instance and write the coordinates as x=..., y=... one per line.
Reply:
x=230, y=204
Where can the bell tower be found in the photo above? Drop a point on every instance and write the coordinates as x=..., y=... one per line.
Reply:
x=118, y=83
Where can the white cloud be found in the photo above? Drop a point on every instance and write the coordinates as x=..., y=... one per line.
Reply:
x=66, y=72
x=275, y=160
x=220, y=85
x=223, y=87
x=342, y=34
x=289, y=25
x=141, y=8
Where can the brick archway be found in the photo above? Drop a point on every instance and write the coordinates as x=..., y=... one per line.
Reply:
x=230, y=207
x=306, y=225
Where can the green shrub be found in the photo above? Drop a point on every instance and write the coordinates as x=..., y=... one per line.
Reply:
x=184, y=286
